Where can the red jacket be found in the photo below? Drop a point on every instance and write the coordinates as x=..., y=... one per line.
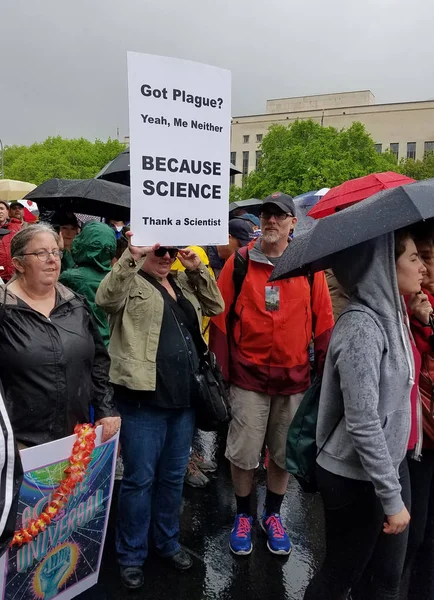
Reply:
x=268, y=350
x=422, y=335
x=14, y=226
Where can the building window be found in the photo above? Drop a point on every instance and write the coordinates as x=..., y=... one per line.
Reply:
x=394, y=149
x=259, y=137
x=429, y=147
x=258, y=157
x=379, y=148
x=233, y=162
x=245, y=163
x=246, y=138
x=411, y=150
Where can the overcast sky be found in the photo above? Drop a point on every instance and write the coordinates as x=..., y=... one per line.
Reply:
x=63, y=64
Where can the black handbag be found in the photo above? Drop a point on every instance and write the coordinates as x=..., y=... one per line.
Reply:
x=211, y=398
x=211, y=401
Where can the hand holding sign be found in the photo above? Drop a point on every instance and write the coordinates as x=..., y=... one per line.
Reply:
x=139, y=252
x=189, y=259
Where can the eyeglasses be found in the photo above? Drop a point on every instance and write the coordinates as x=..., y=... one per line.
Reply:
x=278, y=216
x=163, y=250
x=44, y=255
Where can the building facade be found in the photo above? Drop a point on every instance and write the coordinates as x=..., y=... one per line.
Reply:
x=405, y=128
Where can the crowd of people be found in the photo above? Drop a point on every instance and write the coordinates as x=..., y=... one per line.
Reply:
x=93, y=327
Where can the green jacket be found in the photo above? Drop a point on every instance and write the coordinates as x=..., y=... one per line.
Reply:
x=136, y=313
x=92, y=251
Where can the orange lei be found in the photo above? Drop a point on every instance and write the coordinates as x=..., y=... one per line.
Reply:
x=78, y=463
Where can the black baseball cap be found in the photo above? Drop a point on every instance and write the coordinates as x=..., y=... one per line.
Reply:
x=282, y=201
x=16, y=204
x=241, y=230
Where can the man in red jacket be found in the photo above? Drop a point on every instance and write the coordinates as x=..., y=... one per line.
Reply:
x=262, y=343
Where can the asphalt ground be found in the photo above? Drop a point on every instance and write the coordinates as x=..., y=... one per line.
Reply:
x=206, y=520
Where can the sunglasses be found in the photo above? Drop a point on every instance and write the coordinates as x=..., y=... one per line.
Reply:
x=163, y=250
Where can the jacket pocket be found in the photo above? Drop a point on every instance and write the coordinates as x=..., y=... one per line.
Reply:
x=396, y=431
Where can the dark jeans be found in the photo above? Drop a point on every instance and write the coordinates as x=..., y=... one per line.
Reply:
x=359, y=556
x=155, y=448
x=419, y=562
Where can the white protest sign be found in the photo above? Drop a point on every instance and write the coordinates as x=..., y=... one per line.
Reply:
x=180, y=119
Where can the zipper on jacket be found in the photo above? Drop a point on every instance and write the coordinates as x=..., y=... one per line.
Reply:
x=417, y=453
x=240, y=322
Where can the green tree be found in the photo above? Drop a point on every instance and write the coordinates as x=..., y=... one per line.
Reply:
x=58, y=157
x=305, y=156
x=418, y=169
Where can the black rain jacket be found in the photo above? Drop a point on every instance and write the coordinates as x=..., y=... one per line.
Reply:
x=52, y=369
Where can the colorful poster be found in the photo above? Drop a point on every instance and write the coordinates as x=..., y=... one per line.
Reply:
x=180, y=127
x=64, y=560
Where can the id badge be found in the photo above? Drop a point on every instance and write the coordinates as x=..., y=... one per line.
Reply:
x=272, y=297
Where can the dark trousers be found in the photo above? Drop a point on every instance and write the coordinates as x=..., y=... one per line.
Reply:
x=419, y=562
x=155, y=448
x=359, y=556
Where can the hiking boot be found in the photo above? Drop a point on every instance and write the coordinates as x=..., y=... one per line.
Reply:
x=195, y=478
x=206, y=466
x=132, y=577
x=181, y=561
x=241, y=535
x=278, y=540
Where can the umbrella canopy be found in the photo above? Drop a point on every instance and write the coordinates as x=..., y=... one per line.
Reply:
x=252, y=205
x=118, y=169
x=385, y=212
x=354, y=190
x=303, y=204
x=89, y=196
x=12, y=189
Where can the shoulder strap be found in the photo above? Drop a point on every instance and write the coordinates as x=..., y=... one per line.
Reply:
x=3, y=306
x=241, y=264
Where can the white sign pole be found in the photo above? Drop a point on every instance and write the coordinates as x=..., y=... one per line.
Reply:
x=180, y=118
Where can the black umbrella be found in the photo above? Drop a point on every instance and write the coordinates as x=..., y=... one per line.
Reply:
x=252, y=205
x=88, y=196
x=382, y=213
x=118, y=169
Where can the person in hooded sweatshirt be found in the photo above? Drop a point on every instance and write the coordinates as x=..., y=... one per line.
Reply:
x=364, y=423
x=92, y=251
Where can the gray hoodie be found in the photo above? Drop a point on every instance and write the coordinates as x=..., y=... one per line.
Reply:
x=368, y=374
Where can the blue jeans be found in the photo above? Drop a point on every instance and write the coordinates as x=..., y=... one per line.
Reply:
x=155, y=446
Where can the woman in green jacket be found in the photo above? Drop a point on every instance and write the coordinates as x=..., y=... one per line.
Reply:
x=155, y=319
x=92, y=252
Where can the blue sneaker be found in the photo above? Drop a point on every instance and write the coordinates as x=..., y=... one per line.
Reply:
x=241, y=535
x=278, y=539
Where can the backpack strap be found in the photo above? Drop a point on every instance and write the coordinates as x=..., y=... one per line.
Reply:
x=3, y=306
x=241, y=265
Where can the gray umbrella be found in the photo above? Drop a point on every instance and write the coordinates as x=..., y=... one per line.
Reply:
x=118, y=169
x=88, y=196
x=382, y=213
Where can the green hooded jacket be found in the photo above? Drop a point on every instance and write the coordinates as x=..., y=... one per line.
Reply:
x=92, y=251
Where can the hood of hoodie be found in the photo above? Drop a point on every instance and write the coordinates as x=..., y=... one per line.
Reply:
x=367, y=273
x=94, y=247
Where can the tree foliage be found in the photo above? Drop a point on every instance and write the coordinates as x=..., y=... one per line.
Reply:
x=305, y=156
x=418, y=169
x=59, y=157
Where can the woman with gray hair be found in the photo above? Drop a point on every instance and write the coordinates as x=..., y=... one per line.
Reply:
x=54, y=364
